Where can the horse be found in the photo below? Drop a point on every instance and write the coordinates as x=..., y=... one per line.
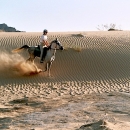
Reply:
x=34, y=51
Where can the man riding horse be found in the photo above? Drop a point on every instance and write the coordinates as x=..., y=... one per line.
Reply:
x=44, y=43
x=34, y=51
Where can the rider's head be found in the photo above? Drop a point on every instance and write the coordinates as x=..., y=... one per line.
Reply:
x=45, y=31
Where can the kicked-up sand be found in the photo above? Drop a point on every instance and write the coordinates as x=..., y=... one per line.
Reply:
x=89, y=87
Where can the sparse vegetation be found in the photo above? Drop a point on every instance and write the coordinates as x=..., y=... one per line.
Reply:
x=110, y=27
x=77, y=48
x=66, y=47
x=78, y=35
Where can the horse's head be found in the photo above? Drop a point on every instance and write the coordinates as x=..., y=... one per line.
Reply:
x=56, y=45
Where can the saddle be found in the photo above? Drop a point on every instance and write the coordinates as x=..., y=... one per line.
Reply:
x=44, y=51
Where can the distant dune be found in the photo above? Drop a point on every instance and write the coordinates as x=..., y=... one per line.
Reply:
x=91, y=64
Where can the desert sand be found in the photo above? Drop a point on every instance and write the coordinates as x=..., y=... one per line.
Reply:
x=89, y=87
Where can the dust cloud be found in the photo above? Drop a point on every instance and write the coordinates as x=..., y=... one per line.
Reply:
x=15, y=65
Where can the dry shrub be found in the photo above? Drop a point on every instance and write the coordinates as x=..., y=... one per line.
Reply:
x=77, y=48
x=78, y=35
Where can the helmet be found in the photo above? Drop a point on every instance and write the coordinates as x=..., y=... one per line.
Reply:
x=45, y=31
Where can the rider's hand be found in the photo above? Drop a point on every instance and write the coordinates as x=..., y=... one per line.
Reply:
x=47, y=45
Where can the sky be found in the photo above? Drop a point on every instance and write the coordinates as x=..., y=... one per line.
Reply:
x=64, y=15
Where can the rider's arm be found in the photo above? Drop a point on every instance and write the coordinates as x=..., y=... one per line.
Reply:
x=46, y=43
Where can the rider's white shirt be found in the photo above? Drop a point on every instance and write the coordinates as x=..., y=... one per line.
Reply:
x=43, y=37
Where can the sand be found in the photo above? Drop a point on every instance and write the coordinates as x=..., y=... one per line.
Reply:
x=89, y=87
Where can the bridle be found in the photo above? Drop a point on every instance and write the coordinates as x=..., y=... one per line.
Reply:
x=55, y=47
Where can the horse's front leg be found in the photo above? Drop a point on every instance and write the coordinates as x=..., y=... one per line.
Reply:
x=49, y=68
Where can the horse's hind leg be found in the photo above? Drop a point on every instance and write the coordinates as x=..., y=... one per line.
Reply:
x=37, y=70
x=46, y=67
x=31, y=58
x=28, y=60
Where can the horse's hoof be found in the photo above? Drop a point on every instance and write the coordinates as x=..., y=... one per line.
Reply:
x=50, y=76
x=39, y=71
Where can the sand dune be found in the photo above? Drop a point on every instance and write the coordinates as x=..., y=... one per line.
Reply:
x=92, y=63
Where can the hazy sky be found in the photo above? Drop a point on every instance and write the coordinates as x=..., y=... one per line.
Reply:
x=64, y=15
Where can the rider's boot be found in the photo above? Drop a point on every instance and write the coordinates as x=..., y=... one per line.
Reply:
x=42, y=59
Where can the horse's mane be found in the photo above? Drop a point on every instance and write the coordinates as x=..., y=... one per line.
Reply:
x=51, y=44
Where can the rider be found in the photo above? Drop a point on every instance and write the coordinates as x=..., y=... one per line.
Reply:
x=44, y=43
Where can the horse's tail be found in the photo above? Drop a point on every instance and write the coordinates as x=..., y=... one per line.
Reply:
x=21, y=48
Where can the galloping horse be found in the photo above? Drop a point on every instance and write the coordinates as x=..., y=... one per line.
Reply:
x=34, y=51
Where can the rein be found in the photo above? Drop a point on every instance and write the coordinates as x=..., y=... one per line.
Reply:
x=54, y=49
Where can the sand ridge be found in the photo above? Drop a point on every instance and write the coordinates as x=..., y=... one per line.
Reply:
x=93, y=63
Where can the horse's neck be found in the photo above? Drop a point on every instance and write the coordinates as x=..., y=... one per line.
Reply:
x=53, y=51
